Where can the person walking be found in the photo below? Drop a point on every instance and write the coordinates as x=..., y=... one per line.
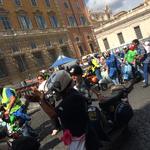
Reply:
x=112, y=67
x=146, y=63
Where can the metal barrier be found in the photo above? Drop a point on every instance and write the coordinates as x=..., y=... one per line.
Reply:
x=26, y=90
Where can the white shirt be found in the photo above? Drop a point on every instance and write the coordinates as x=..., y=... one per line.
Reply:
x=147, y=48
x=43, y=87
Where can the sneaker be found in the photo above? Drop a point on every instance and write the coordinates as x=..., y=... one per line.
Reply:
x=145, y=86
x=100, y=81
x=143, y=81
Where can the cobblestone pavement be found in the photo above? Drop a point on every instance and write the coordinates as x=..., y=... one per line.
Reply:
x=139, y=126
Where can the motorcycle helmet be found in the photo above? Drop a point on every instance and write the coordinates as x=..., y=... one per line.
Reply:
x=76, y=70
x=59, y=81
x=132, y=47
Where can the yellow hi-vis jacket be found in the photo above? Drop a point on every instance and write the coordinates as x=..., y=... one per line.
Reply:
x=5, y=102
x=95, y=64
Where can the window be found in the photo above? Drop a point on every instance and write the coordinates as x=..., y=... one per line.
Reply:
x=48, y=43
x=72, y=21
x=25, y=22
x=34, y=2
x=83, y=20
x=41, y=22
x=138, y=32
x=33, y=45
x=81, y=50
x=4, y=20
x=106, y=44
x=17, y=2
x=120, y=37
x=3, y=69
x=88, y=37
x=65, y=51
x=47, y=2
x=54, y=22
x=1, y=50
x=91, y=46
x=14, y=48
x=77, y=39
x=21, y=62
x=66, y=5
x=1, y=2
x=61, y=41
x=39, y=59
x=76, y=4
x=52, y=54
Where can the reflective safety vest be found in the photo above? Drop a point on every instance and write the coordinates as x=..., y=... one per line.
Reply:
x=96, y=64
x=5, y=101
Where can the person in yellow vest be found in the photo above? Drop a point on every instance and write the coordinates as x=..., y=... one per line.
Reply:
x=12, y=104
x=95, y=66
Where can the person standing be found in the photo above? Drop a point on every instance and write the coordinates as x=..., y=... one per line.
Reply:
x=130, y=58
x=72, y=111
x=112, y=67
x=146, y=63
x=95, y=66
x=82, y=84
x=48, y=109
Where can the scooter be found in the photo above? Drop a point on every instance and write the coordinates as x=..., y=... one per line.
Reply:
x=112, y=116
x=94, y=81
x=12, y=128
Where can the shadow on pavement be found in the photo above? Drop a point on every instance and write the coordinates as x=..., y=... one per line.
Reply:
x=44, y=129
x=51, y=144
x=139, y=129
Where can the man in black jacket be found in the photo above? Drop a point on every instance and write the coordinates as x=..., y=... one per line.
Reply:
x=72, y=110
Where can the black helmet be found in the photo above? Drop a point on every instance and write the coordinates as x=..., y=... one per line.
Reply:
x=76, y=70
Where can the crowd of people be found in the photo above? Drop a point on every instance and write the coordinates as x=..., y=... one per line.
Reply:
x=123, y=65
x=75, y=91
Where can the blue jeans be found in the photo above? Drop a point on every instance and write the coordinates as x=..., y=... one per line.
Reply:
x=146, y=73
x=115, y=81
x=21, y=114
x=98, y=74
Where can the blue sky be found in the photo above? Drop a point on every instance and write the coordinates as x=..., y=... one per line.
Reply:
x=116, y=5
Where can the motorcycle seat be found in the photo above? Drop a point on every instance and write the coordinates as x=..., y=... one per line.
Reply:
x=108, y=101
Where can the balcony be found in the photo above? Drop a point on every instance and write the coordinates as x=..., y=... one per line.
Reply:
x=35, y=50
x=16, y=53
x=63, y=44
x=50, y=47
x=10, y=33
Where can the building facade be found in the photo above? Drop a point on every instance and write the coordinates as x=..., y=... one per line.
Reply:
x=32, y=35
x=76, y=20
x=123, y=27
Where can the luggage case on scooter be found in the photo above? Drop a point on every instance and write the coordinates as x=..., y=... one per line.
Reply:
x=123, y=113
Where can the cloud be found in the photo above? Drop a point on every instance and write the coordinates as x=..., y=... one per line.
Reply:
x=115, y=5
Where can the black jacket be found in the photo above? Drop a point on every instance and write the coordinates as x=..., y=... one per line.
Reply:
x=73, y=112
